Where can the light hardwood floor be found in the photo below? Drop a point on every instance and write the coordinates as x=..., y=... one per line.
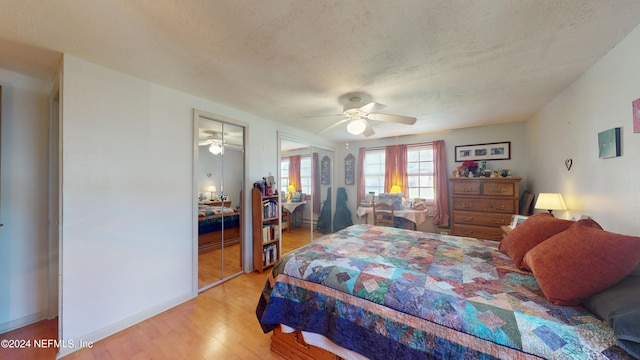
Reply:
x=219, y=324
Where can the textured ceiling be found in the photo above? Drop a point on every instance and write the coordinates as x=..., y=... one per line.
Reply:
x=451, y=64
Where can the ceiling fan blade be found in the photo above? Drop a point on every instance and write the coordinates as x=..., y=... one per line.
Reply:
x=368, y=131
x=205, y=142
x=407, y=120
x=372, y=107
x=334, y=125
x=322, y=116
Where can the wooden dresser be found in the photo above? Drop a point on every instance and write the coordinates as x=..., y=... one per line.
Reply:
x=481, y=205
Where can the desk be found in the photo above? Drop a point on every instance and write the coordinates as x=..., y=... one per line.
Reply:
x=288, y=209
x=415, y=217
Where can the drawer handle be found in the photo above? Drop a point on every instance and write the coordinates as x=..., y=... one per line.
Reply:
x=495, y=207
x=300, y=342
x=497, y=190
x=462, y=205
x=466, y=232
x=467, y=189
x=496, y=236
x=497, y=222
x=466, y=218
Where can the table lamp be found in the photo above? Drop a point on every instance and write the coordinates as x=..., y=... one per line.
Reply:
x=291, y=189
x=212, y=189
x=550, y=202
x=395, y=189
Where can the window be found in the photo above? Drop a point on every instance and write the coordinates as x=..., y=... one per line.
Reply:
x=284, y=175
x=374, y=171
x=420, y=172
x=305, y=175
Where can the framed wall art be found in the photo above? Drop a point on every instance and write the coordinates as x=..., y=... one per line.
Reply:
x=609, y=143
x=325, y=171
x=490, y=151
x=636, y=115
x=349, y=170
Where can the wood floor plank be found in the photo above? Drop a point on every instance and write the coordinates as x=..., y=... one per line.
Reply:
x=219, y=324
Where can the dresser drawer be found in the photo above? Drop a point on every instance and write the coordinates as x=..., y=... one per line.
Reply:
x=479, y=232
x=497, y=188
x=481, y=218
x=466, y=187
x=506, y=206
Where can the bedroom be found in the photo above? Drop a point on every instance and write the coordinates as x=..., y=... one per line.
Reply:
x=149, y=182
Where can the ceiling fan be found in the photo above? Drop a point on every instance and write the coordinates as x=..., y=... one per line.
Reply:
x=358, y=114
x=213, y=140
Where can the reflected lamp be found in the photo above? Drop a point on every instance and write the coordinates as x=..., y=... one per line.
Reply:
x=395, y=189
x=291, y=189
x=212, y=189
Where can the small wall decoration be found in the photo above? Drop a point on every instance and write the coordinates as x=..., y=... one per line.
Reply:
x=568, y=163
x=325, y=171
x=349, y=170
x=490, y=151
x=636, y=116
x=609, y=143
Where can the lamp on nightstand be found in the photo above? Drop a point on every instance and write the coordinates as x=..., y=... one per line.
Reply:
x=550, y=202
x=212, y=189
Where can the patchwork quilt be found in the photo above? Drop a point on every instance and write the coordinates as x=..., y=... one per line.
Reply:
x=390, y=293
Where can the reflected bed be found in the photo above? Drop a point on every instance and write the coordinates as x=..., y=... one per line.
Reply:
x=211, y=221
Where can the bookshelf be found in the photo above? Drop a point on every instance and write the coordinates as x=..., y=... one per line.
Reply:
x=265, y=219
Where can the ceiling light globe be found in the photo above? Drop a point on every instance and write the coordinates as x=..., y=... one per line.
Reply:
x=356, y=127
x=215, y=149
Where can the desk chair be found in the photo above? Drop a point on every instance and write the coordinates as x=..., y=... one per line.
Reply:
x=383, y=214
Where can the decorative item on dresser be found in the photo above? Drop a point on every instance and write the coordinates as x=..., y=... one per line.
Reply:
x=482, y=205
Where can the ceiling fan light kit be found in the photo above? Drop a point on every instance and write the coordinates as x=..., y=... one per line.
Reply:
x=216, y=149
x=358, y=114
x=356, y=127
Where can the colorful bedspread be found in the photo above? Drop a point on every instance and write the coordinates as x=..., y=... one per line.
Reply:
x=388, y=293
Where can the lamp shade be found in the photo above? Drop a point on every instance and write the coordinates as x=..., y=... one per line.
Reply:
x=212, y=188
x=291, y=188
x=395, y=189
x=550, y=201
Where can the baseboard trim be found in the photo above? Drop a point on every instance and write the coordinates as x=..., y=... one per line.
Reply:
x=23, y=321
x=107, y=331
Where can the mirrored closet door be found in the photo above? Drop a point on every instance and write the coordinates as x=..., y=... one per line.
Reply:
x=220, y=180
x=305, y=186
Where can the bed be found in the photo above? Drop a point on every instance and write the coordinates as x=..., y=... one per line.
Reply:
x=211, y=221
x=386, y=293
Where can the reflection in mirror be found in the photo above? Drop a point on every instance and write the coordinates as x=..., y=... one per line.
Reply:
x=220, y=181
x=304, y=190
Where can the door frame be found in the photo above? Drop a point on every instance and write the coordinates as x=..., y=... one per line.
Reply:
x=197, y=116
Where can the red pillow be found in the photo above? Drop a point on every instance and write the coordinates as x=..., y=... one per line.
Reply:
x=581, y=262
x=524, y=237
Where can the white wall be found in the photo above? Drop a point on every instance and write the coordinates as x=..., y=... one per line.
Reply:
x=127, y=252
x=515, y=132
x=606, y=189
x=24, y=213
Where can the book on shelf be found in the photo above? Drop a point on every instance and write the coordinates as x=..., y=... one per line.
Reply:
x=270, y=209
x=269, y=254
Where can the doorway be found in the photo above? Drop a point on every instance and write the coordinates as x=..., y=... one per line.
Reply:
x=219, y=158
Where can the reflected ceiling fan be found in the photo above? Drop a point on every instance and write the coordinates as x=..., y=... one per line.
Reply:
x=358, y=114
x=214, y=140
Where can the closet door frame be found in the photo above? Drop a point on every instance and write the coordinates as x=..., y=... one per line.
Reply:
x=203, y=115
